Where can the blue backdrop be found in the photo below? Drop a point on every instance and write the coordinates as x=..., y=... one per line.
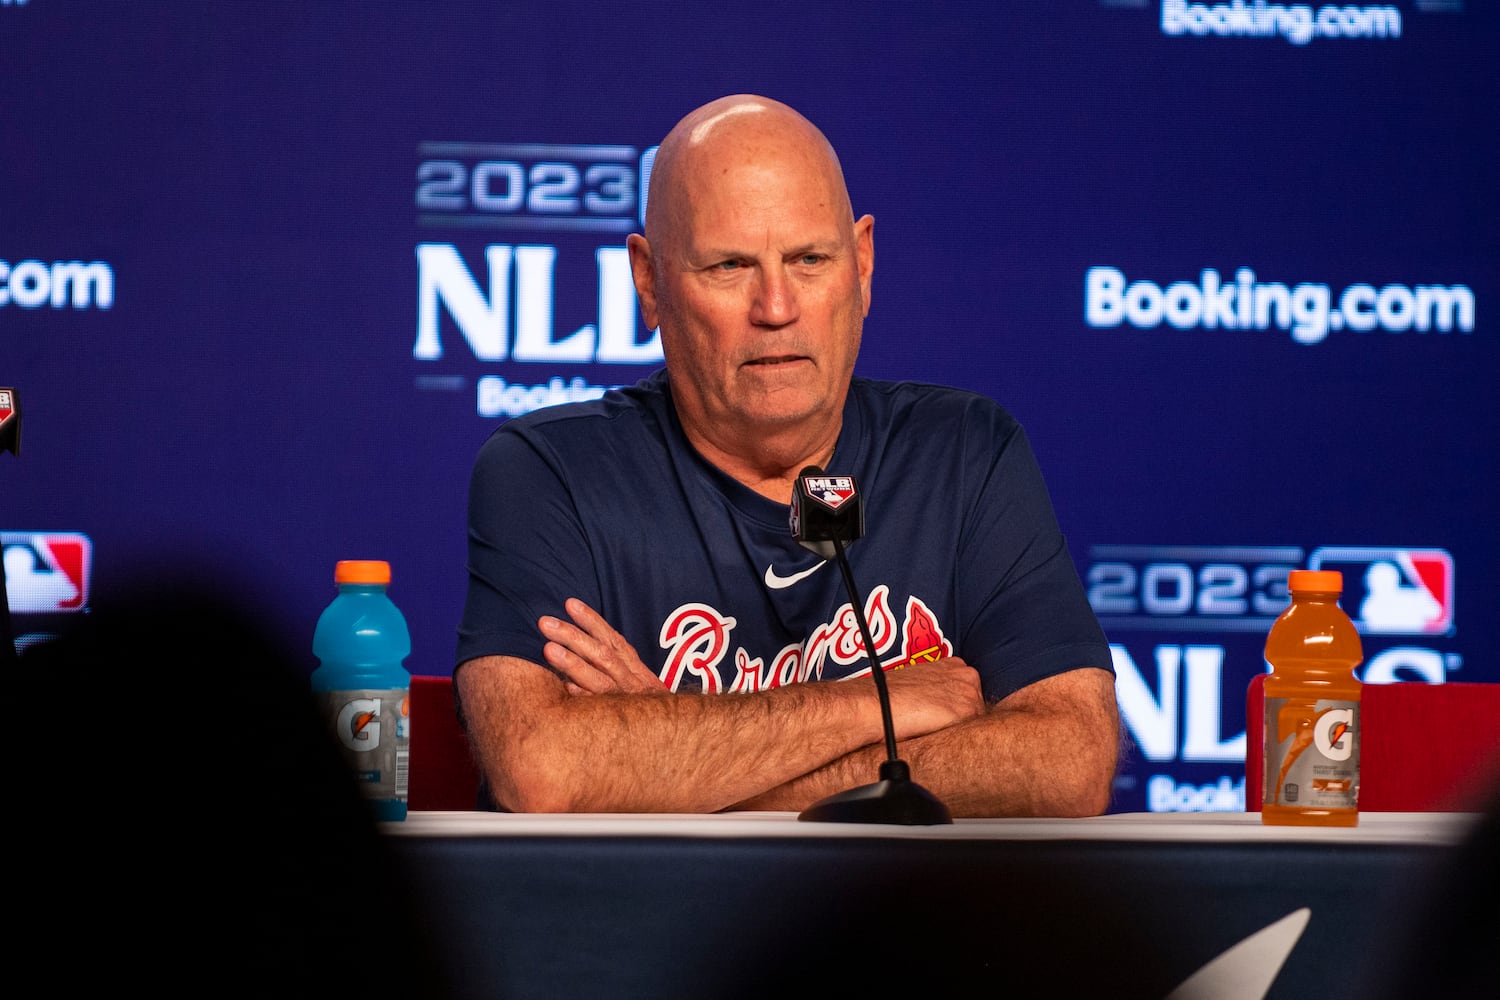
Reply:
x=270, y=272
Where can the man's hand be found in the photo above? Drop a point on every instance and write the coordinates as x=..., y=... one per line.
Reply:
x=926, y=697
x=592, y=657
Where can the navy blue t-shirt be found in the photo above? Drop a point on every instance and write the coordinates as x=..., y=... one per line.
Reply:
x=608, y=502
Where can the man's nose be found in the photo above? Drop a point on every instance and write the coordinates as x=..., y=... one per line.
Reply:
x=775, y=302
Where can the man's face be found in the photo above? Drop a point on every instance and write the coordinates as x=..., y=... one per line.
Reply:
x=762, y=288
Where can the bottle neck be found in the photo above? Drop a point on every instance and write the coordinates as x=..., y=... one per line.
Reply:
x=1316, y=596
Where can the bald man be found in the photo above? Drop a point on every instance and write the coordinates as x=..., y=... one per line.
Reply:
x=642, y=633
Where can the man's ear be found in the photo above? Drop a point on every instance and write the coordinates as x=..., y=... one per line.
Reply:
x=643, y=274
x=864, y=255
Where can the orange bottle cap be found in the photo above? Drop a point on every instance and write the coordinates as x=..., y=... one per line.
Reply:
x=362, y=571
x=1316, y=579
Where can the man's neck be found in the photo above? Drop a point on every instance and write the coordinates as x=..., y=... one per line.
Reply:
x=773, y=465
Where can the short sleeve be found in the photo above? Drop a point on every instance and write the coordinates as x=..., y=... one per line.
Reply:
x=527, y=551
x=1027, y=615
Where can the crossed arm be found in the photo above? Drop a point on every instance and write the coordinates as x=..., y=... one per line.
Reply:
x=601, y=734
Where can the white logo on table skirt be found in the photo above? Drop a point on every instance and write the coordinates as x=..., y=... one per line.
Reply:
x=1247, y=970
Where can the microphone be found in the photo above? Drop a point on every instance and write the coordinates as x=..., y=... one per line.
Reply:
x=827, y=514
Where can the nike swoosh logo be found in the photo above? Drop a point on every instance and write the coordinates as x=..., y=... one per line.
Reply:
x=778, y=582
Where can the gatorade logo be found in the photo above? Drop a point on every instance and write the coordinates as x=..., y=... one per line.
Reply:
x=358, y=726
x=1334, y=734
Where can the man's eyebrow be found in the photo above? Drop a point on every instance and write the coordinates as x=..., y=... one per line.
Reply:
x=825, y=246
x=717, y=253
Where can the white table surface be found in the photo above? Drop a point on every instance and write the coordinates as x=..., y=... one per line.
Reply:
x=1437, y=829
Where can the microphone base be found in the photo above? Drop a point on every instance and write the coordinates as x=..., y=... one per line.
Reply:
x=895, y=799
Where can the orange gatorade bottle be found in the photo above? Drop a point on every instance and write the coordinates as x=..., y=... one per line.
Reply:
x=1312, y=708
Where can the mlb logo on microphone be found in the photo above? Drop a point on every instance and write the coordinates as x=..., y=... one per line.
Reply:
x=1393, y=591
x=46, y=573
x=831, y=491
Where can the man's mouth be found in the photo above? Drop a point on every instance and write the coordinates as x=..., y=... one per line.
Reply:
x=779, y=359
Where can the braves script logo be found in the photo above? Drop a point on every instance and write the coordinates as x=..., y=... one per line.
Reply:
x=696, y=638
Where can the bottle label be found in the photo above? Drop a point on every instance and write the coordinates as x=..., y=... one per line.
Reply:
x=1312, y=753
x=373, y=728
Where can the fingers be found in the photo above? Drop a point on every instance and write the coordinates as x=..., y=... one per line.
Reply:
x=588, y=619
x=576, y=671
x=588, y=635
x=930, y=696
x=592, y=655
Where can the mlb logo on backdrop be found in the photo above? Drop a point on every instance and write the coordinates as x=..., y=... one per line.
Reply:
x=1393, y=591
x=46, y=573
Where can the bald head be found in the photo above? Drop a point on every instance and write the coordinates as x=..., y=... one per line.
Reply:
x=703, y=149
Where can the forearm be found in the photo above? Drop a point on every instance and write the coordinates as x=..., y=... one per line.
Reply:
x=546, y=751
x=858, y=767
x=1021, y=762
x=692, y=752
x=1041, y=753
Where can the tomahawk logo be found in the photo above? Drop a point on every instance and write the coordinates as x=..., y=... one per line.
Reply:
x=1393, y=591
x=46, y=573
x=830, y=491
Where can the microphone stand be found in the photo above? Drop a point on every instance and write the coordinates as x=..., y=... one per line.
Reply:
x=895, y=798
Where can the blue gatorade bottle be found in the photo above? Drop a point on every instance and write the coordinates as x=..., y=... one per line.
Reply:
x=362, y=686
